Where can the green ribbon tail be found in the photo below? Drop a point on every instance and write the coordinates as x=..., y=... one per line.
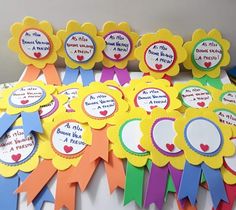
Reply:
x=202, y=80
x=215, y=82
x=169, y=186
x=134, y=184
x=149, y=165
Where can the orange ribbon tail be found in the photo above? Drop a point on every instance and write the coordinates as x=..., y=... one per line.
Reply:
x=31, y=73
x=51, y=75
x=115, y=172
x=37, y=180
x=65, y=192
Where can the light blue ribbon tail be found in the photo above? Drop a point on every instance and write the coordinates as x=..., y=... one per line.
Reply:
x=71, y=75
x=87, y=76
x=6, y=121
x=31, y=122
x=190, y=182
x=8, y=197
x=215, y=184
x=45, y=194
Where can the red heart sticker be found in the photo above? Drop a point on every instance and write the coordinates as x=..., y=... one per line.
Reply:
x=170, y=147
x=201, y=104
x=207, y=64
x=16, y=157
x=117, y=56
x=37, y=54
x=24, y=101
x=68, y=149
x=153, y=107
x=158, y=66
x=141, y=148
x=204, y=147
x=80, y=57
x=104, y=113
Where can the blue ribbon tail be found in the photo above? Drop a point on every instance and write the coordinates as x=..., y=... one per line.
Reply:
x=31, y=122
x=215, y=184
x=232, y=71
x=87, y=76
x=8, y=197
x=6, y=121
x=44, y=196
x=190, y=182
x=71, y=75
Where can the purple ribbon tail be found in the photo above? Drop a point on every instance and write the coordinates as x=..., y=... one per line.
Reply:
x=156, y=186
x=107, y=74
x=122, y=75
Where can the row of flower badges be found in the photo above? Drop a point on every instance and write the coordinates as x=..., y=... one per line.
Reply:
x=110, y=122
x=82, y=46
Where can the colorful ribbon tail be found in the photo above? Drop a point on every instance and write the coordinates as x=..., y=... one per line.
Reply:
x=87, y=76
x=71, y=75
x=215, y=82
x=65, y=192
x=191, y=177
x=122, y=75
x=8, y=198
x=6, y=121
x=115, y=172
x=232, y=71
x=31, y=73
x=107, y=74
x=51, y=75
x=31, y=122
x=168, y=78
x=35, y=181
x=45, y=194
x=134, y=184
x=156, y=186
x=215, y=184
x=202, y=80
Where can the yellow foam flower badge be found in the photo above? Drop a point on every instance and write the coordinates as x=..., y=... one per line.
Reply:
x=99, y=106
x=63, y=143
x=120, y=44
x=37, y=47
x=18, y=157
x=125, y=137
x=82, y=49
x=207, y=53
x=25, y=100
x=167, y=160
x=160, y=54
x=205, y=142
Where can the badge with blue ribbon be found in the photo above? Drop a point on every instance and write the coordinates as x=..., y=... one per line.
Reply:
x=205, y=142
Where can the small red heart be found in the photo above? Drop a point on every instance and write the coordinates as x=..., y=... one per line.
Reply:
x=80, y=57
x=68, y=149
x=170, y=147
x=204, y=147
x=141, y=148
x=37, y=54
x=24, y=101
x=207, y=64
x=16, y=158
x=117, y=56
x=152, y=107
x=158, y=66
x=104, y=113
x=201, y=104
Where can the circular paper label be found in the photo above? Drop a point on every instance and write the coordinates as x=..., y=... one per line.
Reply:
x=99, y=105
x=66, y=139
x=27, y=96
x=228, y=97
x=203, y=136
x=207, y=54
x=35, y=44
x=230, y=162
x=163, y=134
x=195, y=97
x=48, y=109
x=150, y=98
x=15, y=148
x=118, y=45
x=131, y=140
x=226, y=116
x=70, y=93
x=80, y=47
x=160, y=56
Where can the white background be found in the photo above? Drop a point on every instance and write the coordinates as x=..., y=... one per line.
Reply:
x=180, y=16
